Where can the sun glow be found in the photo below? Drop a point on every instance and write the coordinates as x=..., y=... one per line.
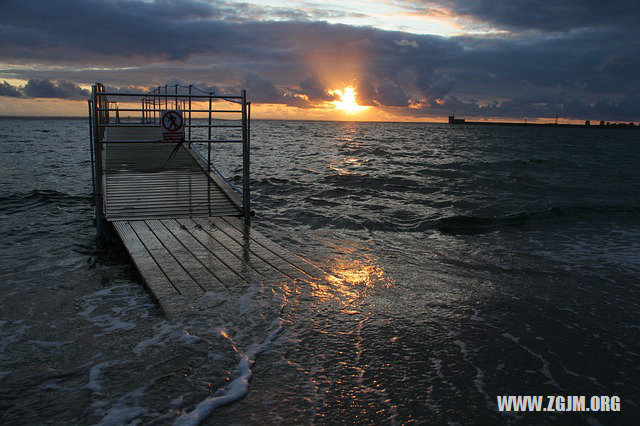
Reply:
x=347, y=101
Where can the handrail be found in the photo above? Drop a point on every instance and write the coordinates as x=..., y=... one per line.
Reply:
x=231, y=126
x=149, y=110
x=217, y=171
x=213, y=141
x=184, y=110
x=158, y=95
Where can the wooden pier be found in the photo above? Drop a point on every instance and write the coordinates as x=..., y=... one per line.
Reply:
x=186, y=229
x=181, y=259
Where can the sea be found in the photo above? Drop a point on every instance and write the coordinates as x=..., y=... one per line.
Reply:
x=467, y=263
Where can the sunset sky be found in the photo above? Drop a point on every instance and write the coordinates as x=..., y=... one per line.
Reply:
x=337, y=60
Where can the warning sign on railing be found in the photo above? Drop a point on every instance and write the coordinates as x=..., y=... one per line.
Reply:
x=173, y=125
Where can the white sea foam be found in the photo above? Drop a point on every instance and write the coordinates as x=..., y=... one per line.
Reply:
x=480, y=384
x=156, y=340
x=165, y=331
x=476, y=316
x=113, y=320
x=437, y=364
x=463, y=347
x=95, y=384
x=110, y=324
x=235, y=390
x=126, y=409
x=545, y=364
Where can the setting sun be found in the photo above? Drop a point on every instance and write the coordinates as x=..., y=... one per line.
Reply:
x=347, y=102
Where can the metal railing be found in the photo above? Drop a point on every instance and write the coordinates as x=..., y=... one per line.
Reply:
x=105, y=112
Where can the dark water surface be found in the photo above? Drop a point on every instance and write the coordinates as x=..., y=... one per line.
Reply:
x=463, y=263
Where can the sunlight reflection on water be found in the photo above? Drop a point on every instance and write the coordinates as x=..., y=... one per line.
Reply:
x=351, y=271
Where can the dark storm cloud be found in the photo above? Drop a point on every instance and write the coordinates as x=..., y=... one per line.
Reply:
x=315, y=90
x=391, y=94
x=106, y=31
x=44, y=88
x=7, y=89
x=437, y=84
x=626, y=109
x=581, y=66
x=262, y=89
x=366, y=93
x=47, y=89
x=550, y=15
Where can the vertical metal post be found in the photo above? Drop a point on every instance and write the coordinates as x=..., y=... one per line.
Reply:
x=142, y=118
x=177, y=97
x=209, y=136
x=190, y=86
x=246, y=193
x=153, y=104
x=166, y=98
x=93, y=164
x=97, y=140
x=105, y=104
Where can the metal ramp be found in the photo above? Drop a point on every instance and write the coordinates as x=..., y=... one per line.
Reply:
x=160, y=180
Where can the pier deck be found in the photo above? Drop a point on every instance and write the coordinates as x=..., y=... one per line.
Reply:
x=181, y=259
x=186, y=229
x=145, y=181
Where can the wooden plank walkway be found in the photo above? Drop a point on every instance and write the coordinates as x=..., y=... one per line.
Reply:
x=182, y=259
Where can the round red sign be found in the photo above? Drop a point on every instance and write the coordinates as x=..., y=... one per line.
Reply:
x=172, y=120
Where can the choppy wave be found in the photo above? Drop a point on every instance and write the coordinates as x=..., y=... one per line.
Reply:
x=376, y=219
x=19, y=202
x=469, y=225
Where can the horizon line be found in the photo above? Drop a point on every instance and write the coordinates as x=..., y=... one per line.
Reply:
x=527, y=121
